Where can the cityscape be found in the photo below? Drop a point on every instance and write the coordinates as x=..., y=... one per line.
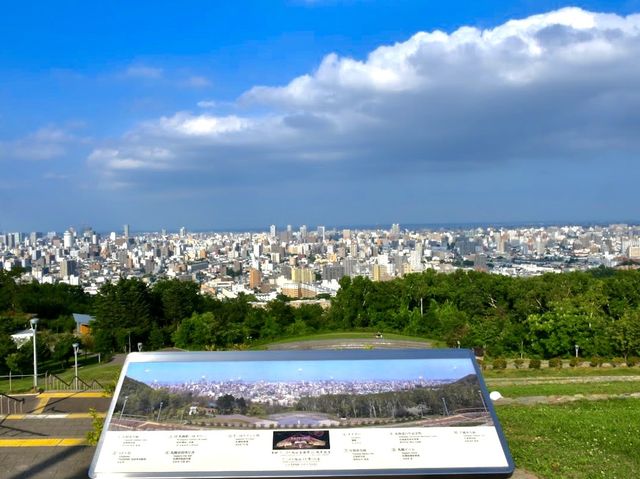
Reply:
x=307, y=263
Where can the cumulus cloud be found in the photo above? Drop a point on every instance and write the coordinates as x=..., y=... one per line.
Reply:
x=559, y=86
x=44, y=144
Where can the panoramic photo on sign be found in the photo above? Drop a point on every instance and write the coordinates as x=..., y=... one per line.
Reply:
x=341, y=413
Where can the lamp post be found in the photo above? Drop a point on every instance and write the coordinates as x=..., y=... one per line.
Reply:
x=139, y=347
x=577, y=349
x=159, y=411
x=75, y=359
x=458, y=344
x=123, y=406
x=34, y=327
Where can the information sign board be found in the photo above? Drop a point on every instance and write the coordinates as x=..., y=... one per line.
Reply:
x=301, y=413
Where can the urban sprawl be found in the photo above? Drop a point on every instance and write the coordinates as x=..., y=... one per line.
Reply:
x=289, y=393
x=304, y=263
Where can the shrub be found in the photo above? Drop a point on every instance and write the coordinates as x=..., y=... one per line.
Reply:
x=499, y=363
x=519, y=363
x=573, y=362
x=534, y=364
x=555, y=363
x=632, y=361
x=97, y=421
x=617, y=361
x=482, y=364
x=595, y=361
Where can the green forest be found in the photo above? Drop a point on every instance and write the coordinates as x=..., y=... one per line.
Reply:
x=538, y=317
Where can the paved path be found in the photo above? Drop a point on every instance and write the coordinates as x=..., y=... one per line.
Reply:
x=48, y=439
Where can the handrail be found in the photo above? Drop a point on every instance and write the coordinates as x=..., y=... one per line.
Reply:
x=10, y=400
x=55, y=382
x=88, y=386
x=100, y=385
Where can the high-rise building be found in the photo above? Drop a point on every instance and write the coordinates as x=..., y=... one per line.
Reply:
x=302, y=275
x=395, y=229
x=350, y=267
x=272, y=231
x=67, y=241
x=321, y=231
x=332, y=271
x=183, y=232
x=67, y=268
x=126, y=231
x=303, y=233
x=379, y=272
x=255, y=278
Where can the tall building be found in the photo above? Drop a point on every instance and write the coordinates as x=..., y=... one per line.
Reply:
x=303, y=233
x=255, y=278
x=126, y=231
x=395, y=229
x=350, y=267
x=272, y=231
x=321, y=232
x=302, y=275
x=68, y=268
x=379, y=272
x=332, y=271
x=183, y=232
x=67, y=241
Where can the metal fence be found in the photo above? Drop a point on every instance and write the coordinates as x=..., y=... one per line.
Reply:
x=53, y=382
x=10, y=405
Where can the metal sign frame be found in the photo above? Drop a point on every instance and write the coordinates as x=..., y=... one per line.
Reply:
x=339, y=413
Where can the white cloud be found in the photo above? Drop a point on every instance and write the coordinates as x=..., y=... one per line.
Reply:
x=46, y=143
x=144, y=71
x=197, y=81
x=562, y=85
x=207, y=104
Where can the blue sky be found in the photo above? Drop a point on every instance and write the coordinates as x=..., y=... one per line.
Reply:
x=284, y=371
x=217, y=115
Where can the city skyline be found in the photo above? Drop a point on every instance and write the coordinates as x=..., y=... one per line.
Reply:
x=330, y=113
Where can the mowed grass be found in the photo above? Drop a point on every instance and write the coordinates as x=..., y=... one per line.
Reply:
x=566, y=389
x=560, y=373
x=105, y=373
x=585, y=439
x=351, y=335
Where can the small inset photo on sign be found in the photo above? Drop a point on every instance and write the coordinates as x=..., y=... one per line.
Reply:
x=283, y=440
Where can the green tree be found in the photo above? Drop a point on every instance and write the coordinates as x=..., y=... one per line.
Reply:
x=625, y=333
x=122, y=313
x=196, y=332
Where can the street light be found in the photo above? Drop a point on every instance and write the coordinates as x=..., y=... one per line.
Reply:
x=75, y=359
x=123, y=406
x=577, y=349
x=458, y=344
x=139, y=347
x=34, y=326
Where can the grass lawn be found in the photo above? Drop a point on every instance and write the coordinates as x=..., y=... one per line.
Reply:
x=585, y=439
x=565, y=389
x=349, y=335
x=564, y=372
x=105, y=373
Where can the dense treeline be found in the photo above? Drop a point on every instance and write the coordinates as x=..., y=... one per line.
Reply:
x=543, y=316
x=421, y=401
